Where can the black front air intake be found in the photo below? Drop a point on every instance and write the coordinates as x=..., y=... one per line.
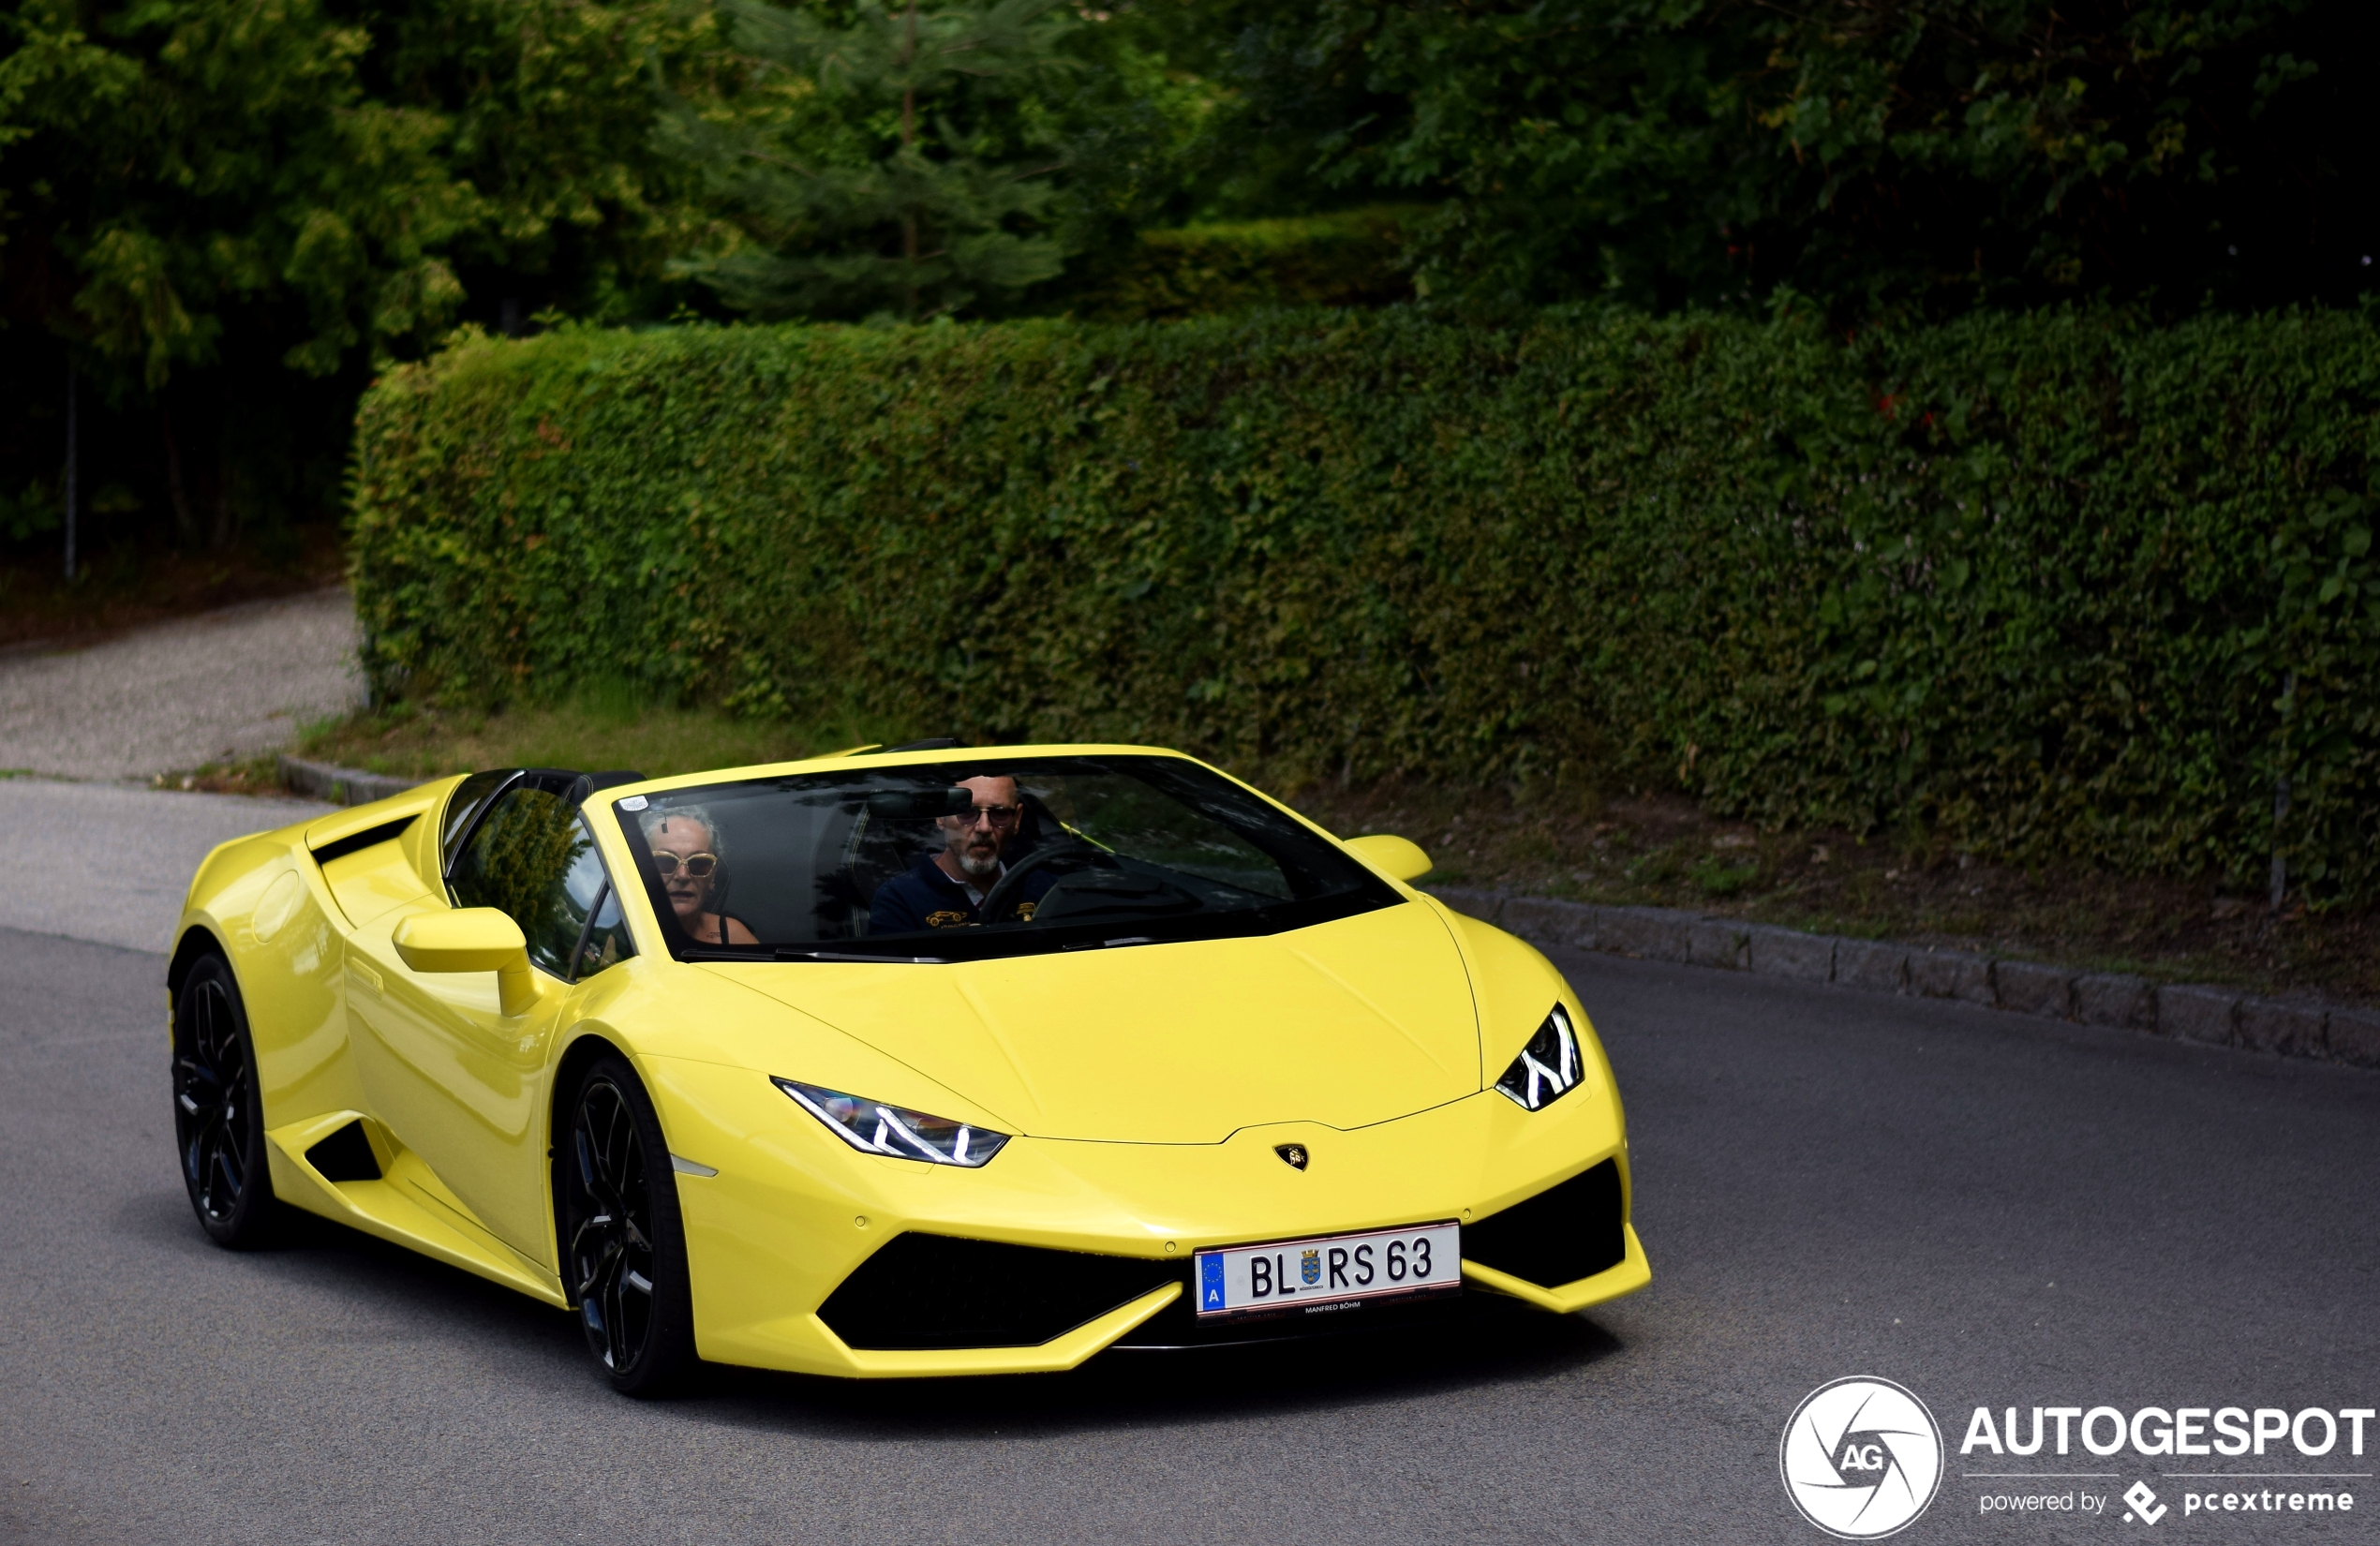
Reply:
x=1561, y=1235
x=935, y=1291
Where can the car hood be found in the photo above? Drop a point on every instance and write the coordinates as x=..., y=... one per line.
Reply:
x=1345, y=1023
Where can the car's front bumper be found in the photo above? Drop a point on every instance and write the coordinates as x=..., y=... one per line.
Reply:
x=794, y=1212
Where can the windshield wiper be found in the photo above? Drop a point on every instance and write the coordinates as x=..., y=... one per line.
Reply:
x=1111, y=945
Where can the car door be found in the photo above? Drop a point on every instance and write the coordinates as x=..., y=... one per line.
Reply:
x=457, y=1081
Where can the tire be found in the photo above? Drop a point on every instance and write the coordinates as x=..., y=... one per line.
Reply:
x=218, y=1111
x=623, y=1241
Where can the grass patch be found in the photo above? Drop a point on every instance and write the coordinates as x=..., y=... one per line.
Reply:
x=258, y=775
x=604, y=725
x=1717, y=878
x=1665, y=851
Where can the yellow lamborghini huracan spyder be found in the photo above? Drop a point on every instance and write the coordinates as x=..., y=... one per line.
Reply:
x=932, y=1061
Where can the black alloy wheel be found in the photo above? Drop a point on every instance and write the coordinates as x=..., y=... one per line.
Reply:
x=624, y=1251
x=218, y=1113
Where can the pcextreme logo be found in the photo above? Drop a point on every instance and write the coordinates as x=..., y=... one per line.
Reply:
x=1861, y=1458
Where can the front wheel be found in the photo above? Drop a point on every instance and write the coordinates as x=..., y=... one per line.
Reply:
x=624, y=1249
x=218, y=1113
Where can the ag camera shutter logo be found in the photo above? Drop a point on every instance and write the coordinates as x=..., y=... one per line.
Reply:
x=1861, y=1458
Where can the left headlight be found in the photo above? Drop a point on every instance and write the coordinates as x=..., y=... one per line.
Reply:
x=875, y=1128
x=1548, y=1068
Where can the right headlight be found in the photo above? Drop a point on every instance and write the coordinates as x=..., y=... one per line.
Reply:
x=875, y=1128
x=1548, y=1068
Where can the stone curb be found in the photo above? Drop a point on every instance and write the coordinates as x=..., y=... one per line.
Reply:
x=2218, y=1016
x=340, y=786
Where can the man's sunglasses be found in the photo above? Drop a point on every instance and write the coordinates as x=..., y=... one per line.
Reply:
x=697, y=866
x=998, y=815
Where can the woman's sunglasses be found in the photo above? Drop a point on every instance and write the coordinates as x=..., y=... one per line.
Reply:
x=697, y=866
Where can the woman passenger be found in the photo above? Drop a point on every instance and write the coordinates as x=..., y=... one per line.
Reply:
x=689, y=850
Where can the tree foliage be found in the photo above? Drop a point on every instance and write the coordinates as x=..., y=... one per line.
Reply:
x=222, y=212
x=935, y=192
x=1875, y=154
x=180, y=175
x=226, y=214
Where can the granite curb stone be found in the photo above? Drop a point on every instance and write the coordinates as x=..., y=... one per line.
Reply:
x=1656, y=933
x=2197, y=1014
x=1717, y=942
x=2274, y=1025
x=1551, y=922
x=1789, y=953
x=2354, y=1036
x=2190, y=1012
x=1872, y=966
x=2031, y=989
x=341, y=785
x=1950, y=975
x=1482, y=905
x=2112, y=998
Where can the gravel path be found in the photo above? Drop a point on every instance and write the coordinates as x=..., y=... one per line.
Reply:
x=107, y=863
x=225, y=684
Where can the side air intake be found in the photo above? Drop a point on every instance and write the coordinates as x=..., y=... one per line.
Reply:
x=344, y=1155
x=356, y=842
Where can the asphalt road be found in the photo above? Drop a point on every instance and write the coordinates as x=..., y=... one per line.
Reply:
x=1985, y=1208
x=109, y=864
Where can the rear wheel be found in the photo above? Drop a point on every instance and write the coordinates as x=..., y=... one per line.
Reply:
x=624, y=1249
x=218, y=1113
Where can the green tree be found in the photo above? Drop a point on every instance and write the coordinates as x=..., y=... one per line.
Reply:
x=200, y=202
x=549, y=118
x=911, y=171
x=1877, y=154
x=225, y=211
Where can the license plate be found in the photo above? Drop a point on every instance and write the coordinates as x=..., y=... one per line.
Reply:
x=1330, y=1270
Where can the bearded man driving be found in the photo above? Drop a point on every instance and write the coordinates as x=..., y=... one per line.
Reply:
x=946, y=889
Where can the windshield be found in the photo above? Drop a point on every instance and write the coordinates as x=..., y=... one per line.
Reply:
x=985, y=856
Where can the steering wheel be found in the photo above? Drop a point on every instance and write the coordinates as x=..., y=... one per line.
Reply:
x=1005, y=889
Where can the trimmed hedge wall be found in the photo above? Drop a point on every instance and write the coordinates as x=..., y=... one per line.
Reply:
x=2056, y=585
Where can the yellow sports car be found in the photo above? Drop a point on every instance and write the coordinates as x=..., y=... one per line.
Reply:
x=928, y=1061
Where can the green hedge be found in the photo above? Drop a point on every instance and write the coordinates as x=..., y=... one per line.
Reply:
x=2037, y=584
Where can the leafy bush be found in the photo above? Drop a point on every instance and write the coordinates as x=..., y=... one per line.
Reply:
x=2062, y=584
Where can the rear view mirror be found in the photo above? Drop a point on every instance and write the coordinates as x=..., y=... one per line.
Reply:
x=471, y=938
x=921, y=804
x=1402, y=858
